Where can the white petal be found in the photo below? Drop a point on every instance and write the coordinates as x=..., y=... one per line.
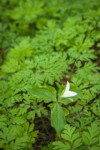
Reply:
x=67, y=86
x=69, y=94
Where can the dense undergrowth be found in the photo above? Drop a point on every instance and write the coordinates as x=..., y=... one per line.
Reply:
x=44, y=44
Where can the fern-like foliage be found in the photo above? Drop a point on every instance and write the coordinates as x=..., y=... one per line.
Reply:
x=42, y=46
x=74, y=139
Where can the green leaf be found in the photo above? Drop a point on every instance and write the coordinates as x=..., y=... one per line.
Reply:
x=31, y=115
x=47, y=94
x=71, y=135
x=60, y=146
x=21, y=142
x=57, y=117
x=90, y=136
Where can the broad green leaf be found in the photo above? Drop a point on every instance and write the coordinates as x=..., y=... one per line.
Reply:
x=57, y=117
x=46, y=94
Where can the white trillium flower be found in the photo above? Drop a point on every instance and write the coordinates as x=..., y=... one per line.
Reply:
x=67, y=92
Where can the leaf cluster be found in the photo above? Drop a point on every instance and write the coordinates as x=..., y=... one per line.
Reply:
x=42, y=46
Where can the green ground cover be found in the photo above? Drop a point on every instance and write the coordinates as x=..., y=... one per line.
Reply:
x=44, y=44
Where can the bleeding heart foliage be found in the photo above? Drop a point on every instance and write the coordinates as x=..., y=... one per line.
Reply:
x=44, y=44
